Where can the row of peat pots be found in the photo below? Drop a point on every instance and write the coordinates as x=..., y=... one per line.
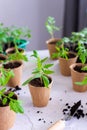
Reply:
x=70, y=67
x=8, y=116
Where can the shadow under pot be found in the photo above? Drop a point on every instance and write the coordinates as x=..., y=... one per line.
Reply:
x=77, y=76
x=16, y=66
x=13, y=50
x=65, y=63
x=51, y=44
x=40, y=94
x=7, y=116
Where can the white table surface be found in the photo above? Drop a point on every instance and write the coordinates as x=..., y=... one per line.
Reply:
x=61, y=93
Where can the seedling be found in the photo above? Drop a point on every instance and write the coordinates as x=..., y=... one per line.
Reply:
x=6, y=98
x=50, y=26
x=16, y=33
x=62, y=41
x=82, y=52
x=17, y=56
x=41, y=71
x=61, y=52
x=3, y=36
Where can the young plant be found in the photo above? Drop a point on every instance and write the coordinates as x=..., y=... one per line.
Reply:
x=16, y=33
x=50, y=26
x=82, y=52
x=17, y=56
x=78, y=37
x=3, y=36
x=61, y=52
x=5, y=75
x=41, y=71
x=63, y=40
x=7, y=98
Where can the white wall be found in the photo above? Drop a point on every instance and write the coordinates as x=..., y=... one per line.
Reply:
x=32, y=13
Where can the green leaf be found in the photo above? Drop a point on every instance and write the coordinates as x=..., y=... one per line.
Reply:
x=48, y=71
x=44, y=59
x=46, y=81
x=84, y=68
x=10, y=94
x=34, y=77
x=16, y=106
x=48, y=65
x=84, y=82
x=4, y=101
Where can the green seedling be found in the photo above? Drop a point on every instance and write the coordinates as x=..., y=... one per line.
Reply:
x=3, y=36
x=61, y=52
x=15, y=105
x=50, y=26
x=82, y=52
x=41, y=71
x=6, y=98
x=17, y=56
x=17, y=33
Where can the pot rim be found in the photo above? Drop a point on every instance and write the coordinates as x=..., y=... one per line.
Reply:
x=18, y=61
x=43, y=86
x=52, y=40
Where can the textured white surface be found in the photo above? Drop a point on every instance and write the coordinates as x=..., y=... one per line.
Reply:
x=61, y=93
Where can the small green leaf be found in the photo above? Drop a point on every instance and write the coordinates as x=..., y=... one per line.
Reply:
x=48, y=71
x=46, y=81
x=15, y=105
x=34, y=77
x=4, y=101
x=48, y=65
x=10, y=94
x=84, y=68
x=84, y=82
x=44, y=59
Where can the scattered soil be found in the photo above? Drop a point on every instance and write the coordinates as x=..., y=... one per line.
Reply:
x=7, y=103
x=17, y=88
x=12, y=65
x=78, y=69
x=37, y=83
x=79, y=112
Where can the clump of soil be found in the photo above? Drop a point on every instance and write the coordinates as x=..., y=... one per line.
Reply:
x=37, y=82
x=17, y=88
x=79, y=69
x=12, y=65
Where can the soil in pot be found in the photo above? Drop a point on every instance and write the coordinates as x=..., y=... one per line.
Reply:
x=40, y=94
x=12, y=50
x=12, y=65
x=37, y=82
x=7, y=103
x=79, y=69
